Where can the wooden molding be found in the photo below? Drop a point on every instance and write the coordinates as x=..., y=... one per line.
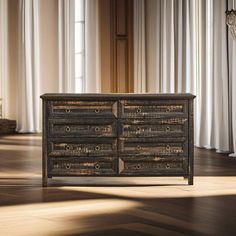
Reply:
x=116, y=19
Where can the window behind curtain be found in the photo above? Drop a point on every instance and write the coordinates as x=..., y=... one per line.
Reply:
x=79, y=45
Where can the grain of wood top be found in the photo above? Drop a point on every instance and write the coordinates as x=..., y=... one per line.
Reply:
x=58, y=96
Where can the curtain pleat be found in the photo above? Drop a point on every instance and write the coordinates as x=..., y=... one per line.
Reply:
x=66, y=46
x=92, y=47
x=4, y=96
x=232, y=87
x=139, y=47
x=28, y=117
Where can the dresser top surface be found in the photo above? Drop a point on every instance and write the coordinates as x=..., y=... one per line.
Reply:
x=62, y=96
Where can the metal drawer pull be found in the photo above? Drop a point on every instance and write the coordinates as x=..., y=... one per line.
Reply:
x=97, y=148
x=168, y=148
x=167, y=129
x=67, y=147
x=139, y=110
x=68, y=166
x=67, y=128
x=97, y=129
x=139, y=148
x=138, y=166
x=97, y=166
x=167, y=166
x=168, y=109
x=67, y=110
x=96, y=110
x=138, y=129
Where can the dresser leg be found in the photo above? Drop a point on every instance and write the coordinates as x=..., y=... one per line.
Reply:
x=45, y=182
x=190, y=180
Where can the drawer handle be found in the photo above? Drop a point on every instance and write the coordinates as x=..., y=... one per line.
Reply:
x=167, y=129
x=68, y=166
x=168, y=109
x=67, y=128
x=68, y=110
x=97, y=148
x=138, y=129
x=96, y=110
x=68, y=147
x=139, y=148
x=167, y=166
x=97, y=129
x=138, y=166
x=97, y=166
x=168, y=148
x=139, y=110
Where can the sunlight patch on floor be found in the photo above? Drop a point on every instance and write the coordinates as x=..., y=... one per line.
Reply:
x=54, y=218
x=203, y=186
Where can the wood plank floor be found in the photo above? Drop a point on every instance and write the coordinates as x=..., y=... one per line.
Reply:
x=113, y=206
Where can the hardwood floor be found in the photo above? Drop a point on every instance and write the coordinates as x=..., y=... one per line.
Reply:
x=113, y=206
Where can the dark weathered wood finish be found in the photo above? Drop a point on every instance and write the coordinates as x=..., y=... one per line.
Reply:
x=117, y=134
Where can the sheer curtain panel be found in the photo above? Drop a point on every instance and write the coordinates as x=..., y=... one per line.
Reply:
x=92, y=47
x=66, y=37
x=4, y=56
x=186, y=51
x=28, y=119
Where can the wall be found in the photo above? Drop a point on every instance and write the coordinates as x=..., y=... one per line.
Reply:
x=12, y=59
x=48, y=19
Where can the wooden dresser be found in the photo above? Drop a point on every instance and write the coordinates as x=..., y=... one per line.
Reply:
x=117, y=135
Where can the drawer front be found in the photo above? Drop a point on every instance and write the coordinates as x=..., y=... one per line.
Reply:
x=82, y=128
x=155, y=166
x=153, y=109
x=83, y=108
x=89, y=147
x=177, y=127
x=161, y=147
x=75, y=166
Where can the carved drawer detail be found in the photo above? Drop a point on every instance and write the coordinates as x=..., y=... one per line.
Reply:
x=152, y=109
x=83, y=147
x=73, y=167
x=148, y=146
x=154, y=128
x=83, y=128
x=83, y=108
x=155, y=166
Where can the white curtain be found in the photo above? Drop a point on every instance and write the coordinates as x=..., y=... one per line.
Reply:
x=66, y=27
x=4, y=56
x=92, y=47
x=186, y=51
x=170, y=45
x=232, y=86
x=213, y=129
x=66, y=46
x=28, y=119
x=139, y=46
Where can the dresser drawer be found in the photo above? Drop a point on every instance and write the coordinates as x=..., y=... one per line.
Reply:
x=147, y=146
x=82, y=128
x=82, y=147
x=156, y=166
x=83, y=108
x=153, y=108
x=177, y=127
x=80, y=166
